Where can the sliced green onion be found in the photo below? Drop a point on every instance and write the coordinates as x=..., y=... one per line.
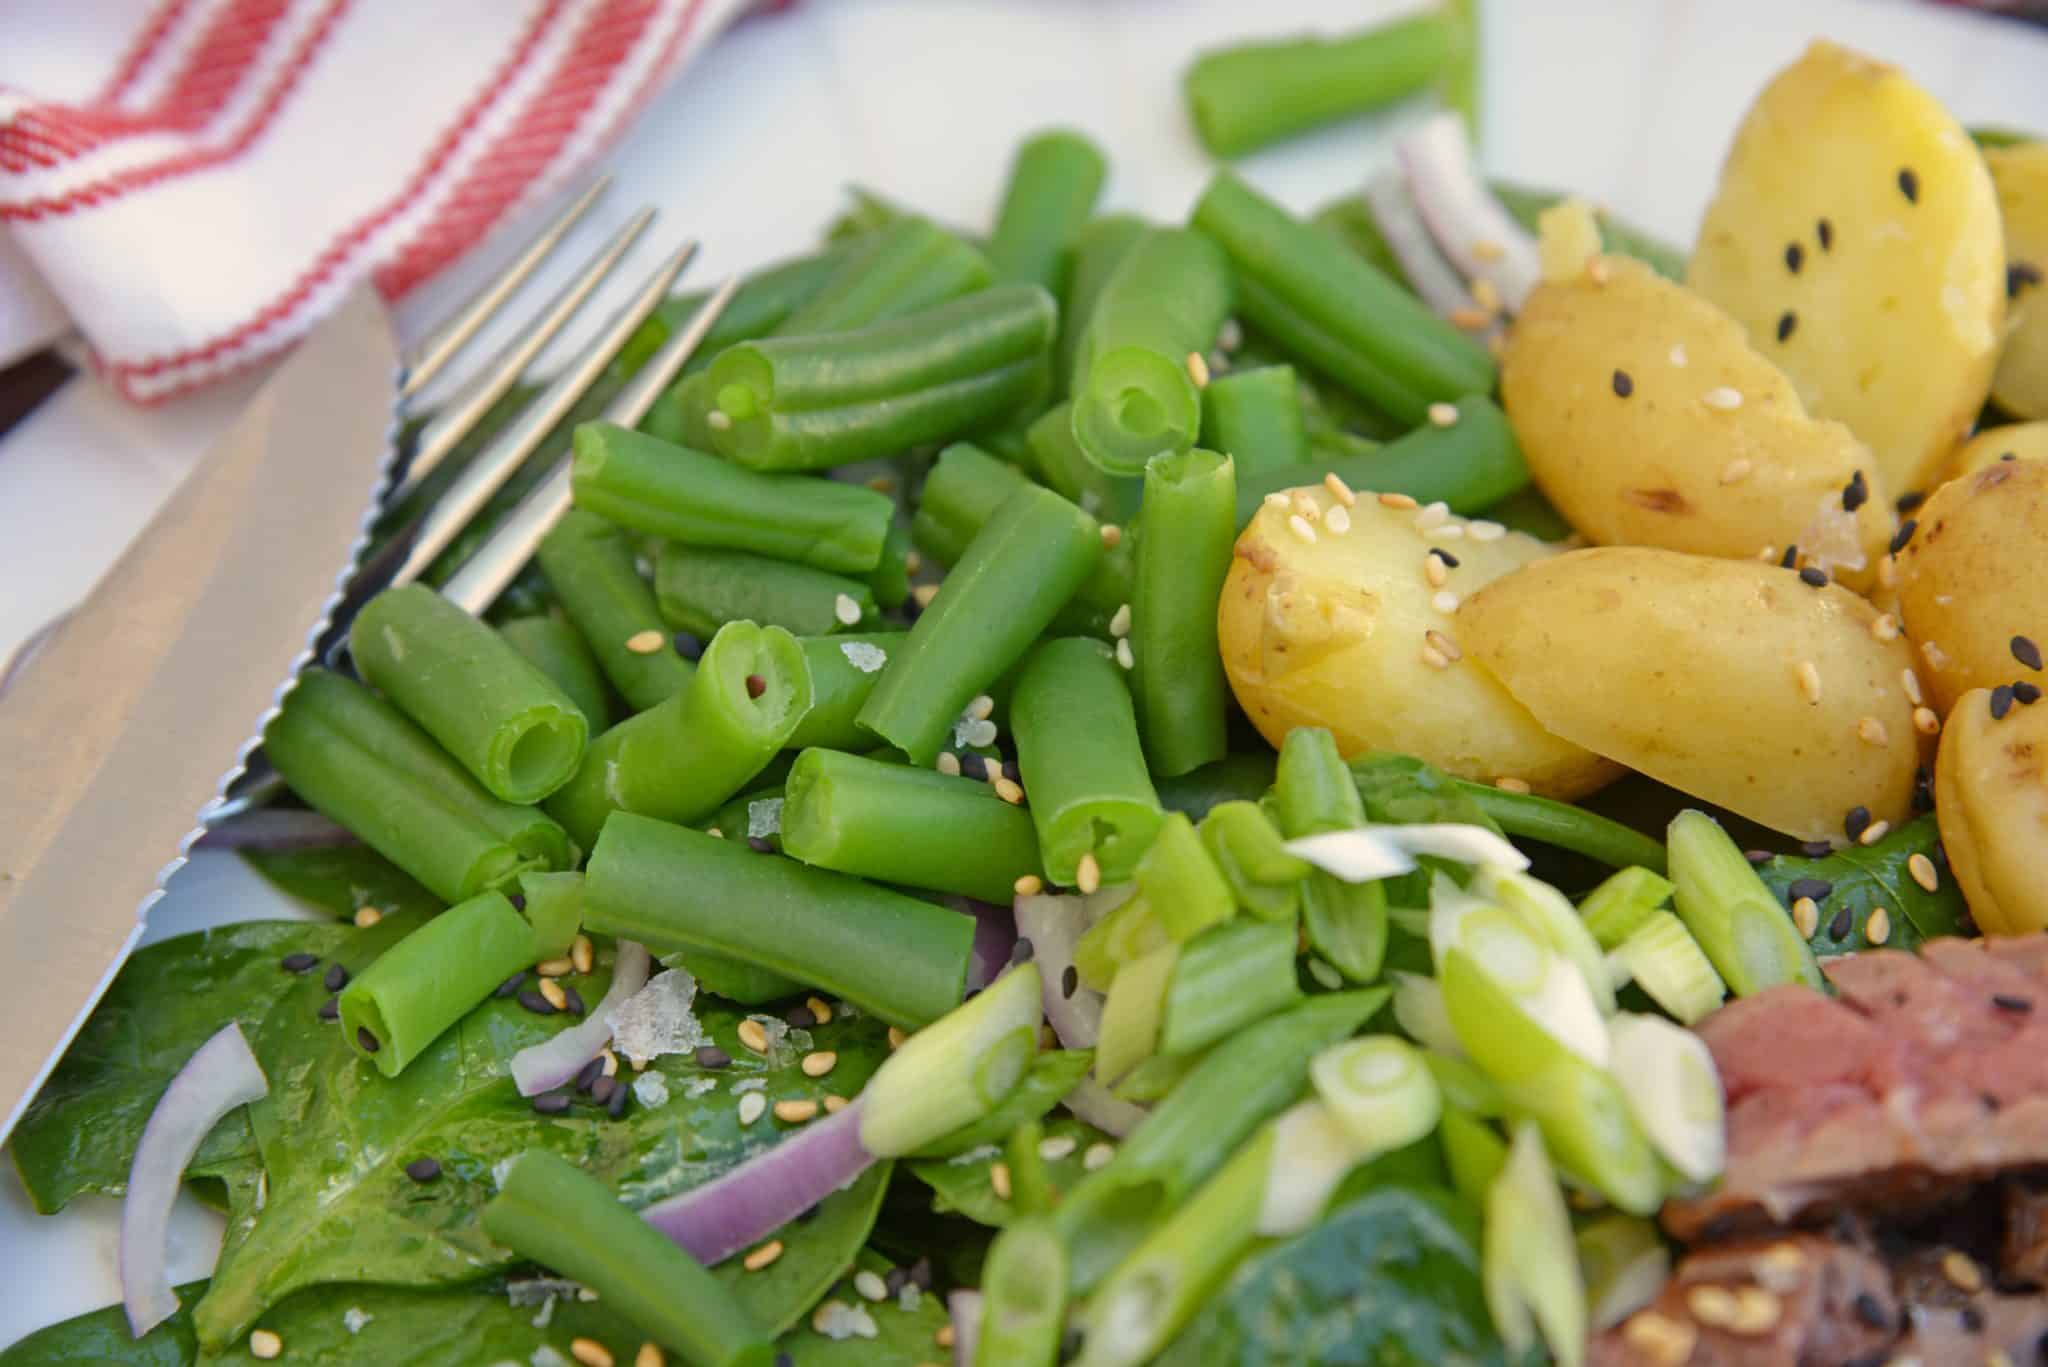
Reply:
x=1729, y=910
x=955, y=1070
x=1133, y=1011
x=1419, y=1011
x=1156, y=1076
x=1625, y=1263
x=1464, y=1086
x=1312, y=1151
x=1473, y=1152
x=1346, y=924
x=1379, y=1089
x=1550, y=914
x=1668, y=1076
x=1030, y=1189
x=1127, y=932
x=1529, y=1264
x=1023, y=1297
x=1668, y=964
x=1180, y=880
x=1618, y=906
x=1545, y=988
x=1226, y=978
x=1247, y=847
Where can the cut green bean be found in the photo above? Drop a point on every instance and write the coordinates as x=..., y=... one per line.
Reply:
x=1331, y=308
x=1084, y=769
x=1053, y=186
x=1018, y=572
x=898, y=824
x=506, y=722
x=1744, y=929
x=844, y=670
x=1469, y=466
x=735, y=979
x=1063, y=466
x=1225, y=979
x=905, y=266
x=357, y=760
x=1134, y=395
x=554, y=909
x=551, y=1211
x=558, y=650
x=1459, y=86
x=957, y=1070
x=1181, y=882
x=889, y=580
x=1246, y=848
x=962, y=491
x=765, y=300
x=432, y=978
x=700, y=590
x=1099, y=248
x=669, y=887
x=591, y=568
x=811, y=402
x=1023, y=1295
x=1254, y=416
x=681, y=760
x=1242, y=98
x=698, y=500
x=1241, y=777
x=1178, y=683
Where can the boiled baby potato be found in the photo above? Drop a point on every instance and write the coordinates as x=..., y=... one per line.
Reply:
x=1991, y=800
x=1341, y=616
x=1855, y=234
x=1973, y=579
x=2021, y=177
x=1733, y=681
x=2015, y=441
x=1649, y=420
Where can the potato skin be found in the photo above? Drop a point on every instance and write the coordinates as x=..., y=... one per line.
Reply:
x=2020, y=440
x=1991, y=801
x=1688, y=669
x=2020, y=175
x=1898, y=311
x=1332, y=634
x=1972, y=578
x=1660, y=466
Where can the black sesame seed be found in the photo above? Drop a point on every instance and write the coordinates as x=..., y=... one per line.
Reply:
x=1012, y=772
x=592, y=1071
x=1022, y=952
x=1870, y=1310
x=799, y=1018
x=602, y=1089
x=712, y=1057
x=1909, y=185
x=423, y=1169
x=1789, y=558
x=1973, y=1319
x=1819, y=889
x=518, y=901
x=551, y=1103
x=2006, y=1002
x=1814, y=577
x=1825, y=231
x=1816, y=849
x=2026, y=694
x=1856, y=822
x=760, y=844
x=1838, y=929
x=1070, y=979
x=299, y=963
x=1450, y=561
x=1908, y=501
x=897, y=1279
x=510, y=985
x=1856, y=494
x=2026, y=652
x=367, y=1040
x=974, y=766
x=2001, y=701
x=1904, y=534
x=1787, y=321
x=536, y=1003
x=688, y=646
x=2019, y=275
x=1795, y=256
x=1623, y=385
x=921, y=1274
x=616, y=1107
x=784, y=1360
x=330, y=1010
x=336, y=978
x=1757, y=856
x=572, y=1000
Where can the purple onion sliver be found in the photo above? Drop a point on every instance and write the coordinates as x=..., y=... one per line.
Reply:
x=1094, y=1103
x=277, y=829
x=995, y=935
x=221, y=1075
x=1462, y=213
x=761, y=1195
x=1054, y=925
x=1435, y=280
x=965, y=1309
x=555, y=1062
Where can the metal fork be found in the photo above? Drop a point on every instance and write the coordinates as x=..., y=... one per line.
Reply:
x=486, y=573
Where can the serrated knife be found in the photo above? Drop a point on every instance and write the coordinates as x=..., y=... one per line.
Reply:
x=114, y=733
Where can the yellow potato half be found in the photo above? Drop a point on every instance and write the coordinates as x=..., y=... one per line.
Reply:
x=1975, y=575
x=1350, y=631
x=1649, y=420
x=1732, y=681
x=1855, y=235
x=2021, y=177
x=1991, y=800
x=2019, y=440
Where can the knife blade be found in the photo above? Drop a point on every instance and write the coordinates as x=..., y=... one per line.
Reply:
x=179, y=655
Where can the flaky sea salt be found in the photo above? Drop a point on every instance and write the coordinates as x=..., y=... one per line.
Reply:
x=764, y=818
x=354, y=1318
x=838, y=1321
x=658, y=1019
x=651, y=1090
x=864, y=656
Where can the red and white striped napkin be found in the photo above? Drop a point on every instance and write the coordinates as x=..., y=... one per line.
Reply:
x=191, y=183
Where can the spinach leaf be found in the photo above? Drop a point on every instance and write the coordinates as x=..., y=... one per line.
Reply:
x=342, y=879
x=80, y=1133
x=101, y=1336
x=1863, y=878
x=961, y=1183
x=1403, y=790
x=905, y=1329
x=336, y=1136
x=1388, y=1280
x=1053, y=1073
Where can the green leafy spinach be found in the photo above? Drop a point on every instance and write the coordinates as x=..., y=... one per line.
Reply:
x=1863, y=878
x=962, y=1183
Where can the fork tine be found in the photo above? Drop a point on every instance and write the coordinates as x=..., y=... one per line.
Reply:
x=497, y=462
x=484, y=576
x=451, y=334
x=448, y=427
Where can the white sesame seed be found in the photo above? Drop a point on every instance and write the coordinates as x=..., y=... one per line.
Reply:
x=999, y=1180
x=870, y=1285
x=1007, y=790
x=265, y=1344
x=796, y=1111
x=1339, y=490
x=555, y=968
x=1806, y=917
x=1961, y=1270
x=1509, y=784
x=1435, y=658
x=1878, y=928
x=1443, y=415
x=366, y=917
x=753, y=1035
x=718, y=420
x=1678, y=355
x=1302, y=531
x=1088, y=874
x=845, y=609
x=1713, y=1306
x=1885, y=627
x=912, y=561
x=764, y=1255
x=1887, y=571
x=1098, y=1156
x=551, y=992
x=751, y=1107
x=646, y=642
x=820, y=1009
x=1910, y=682
x=650, y=1355
x=1432, y=517
x=1925, y=721
x=1666, y=1342
x=819, y=1063
x=835, y=1104
x=1871, y=731
x=1736, y=471
x=1306, y=505
x=1112, y=535
x=923, y=594
x=1443, y=645
x=1486, y=295
x=1937, y=658
x=1337, y=520
x=1276, y=500
x=1124, y=657
x=1597, y=271
x=1057, y=1147
x=1198, y=369
x=1120, y=624
x=947, y=763
x=582, y=954
x=981, y=707
x=1483, y=530
x=1433, y=570
x=1726, y=398
x=1028, y=885
x=1873, y=833
x=1809, y=681
x=1402, y=501
x=1445, y=602
x=897, y=1034
x=1922, y=869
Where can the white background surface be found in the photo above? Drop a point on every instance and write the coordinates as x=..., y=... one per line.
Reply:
x=1630, y=102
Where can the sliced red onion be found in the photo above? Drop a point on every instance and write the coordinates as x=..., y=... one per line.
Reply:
x=1471, y=227
x=221, y=1075
x=1094, y=1103
x=272, y=828
x=543, y=1067
x=1054, y=925
x=761, y=1195
x=965, y=1308
x=1431, y=277
x=1365, y=853
x=995, y=939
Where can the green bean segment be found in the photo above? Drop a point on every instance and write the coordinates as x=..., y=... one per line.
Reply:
x=906, y=265
x=1178, y=683
x=1247, y=850
x=432, y=978
x=558, y=650
x=591, y=568
x=1053, y=186
x=700, y=589
x=844, y=671
x=1084, y=770
x=1254, y=416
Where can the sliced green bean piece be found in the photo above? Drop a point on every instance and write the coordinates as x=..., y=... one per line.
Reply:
x=591, y=568
x=1053, y=186
x=962, y=491
x=1062, y=465
x=1024, y=1296
x=1246, y=847
x=1178, y=683
x=554, y=909
x=1018, y=572
x=700, y=590
x=735, y=979
x=558, y=650
x=1254, y=416
x=906, y=265
x=432, y=978
x=1225, y=979
x=1099, y=248
x=889, y=580
x=1469, y=466
x=844, y=671
x=1084, y=769
x=1181, y=882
